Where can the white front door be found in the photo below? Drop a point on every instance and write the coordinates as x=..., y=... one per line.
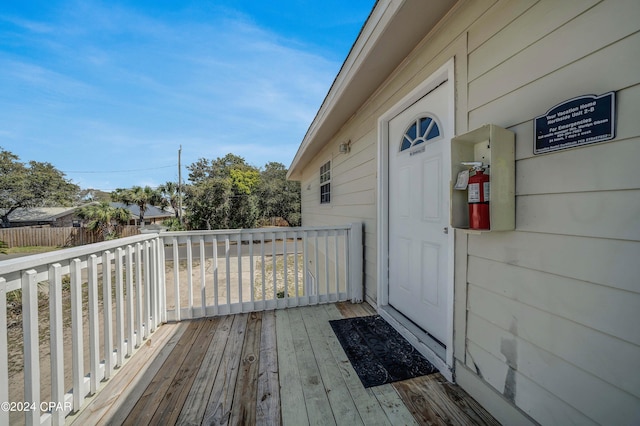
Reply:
x=419, y=212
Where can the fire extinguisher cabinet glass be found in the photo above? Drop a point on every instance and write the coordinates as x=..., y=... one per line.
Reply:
x=487, y=202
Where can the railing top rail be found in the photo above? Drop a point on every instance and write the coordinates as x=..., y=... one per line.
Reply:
x=35, y=260
x=253, y=230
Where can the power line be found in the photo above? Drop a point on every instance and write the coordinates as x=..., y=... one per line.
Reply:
x=118, y=171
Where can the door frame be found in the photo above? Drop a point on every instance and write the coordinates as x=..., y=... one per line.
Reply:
x=441, y=359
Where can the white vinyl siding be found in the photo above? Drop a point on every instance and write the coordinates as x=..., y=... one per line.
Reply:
x=353, y=181
x=552, y=308
x=545, y=316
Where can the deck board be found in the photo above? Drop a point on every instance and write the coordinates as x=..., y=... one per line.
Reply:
x=219, y=404
x=198, y=396
x=121, y=393
x=171, y=405
x=243, y=410
x=282, y=367
x=292, y=405
x=315, y=395
x=316, y=321
x=268, y=396
x=146, y=406
x=368, y=406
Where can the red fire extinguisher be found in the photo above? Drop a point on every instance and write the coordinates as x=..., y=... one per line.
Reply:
x=479, y=190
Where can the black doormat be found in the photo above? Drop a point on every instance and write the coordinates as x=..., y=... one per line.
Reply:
x=377, y=352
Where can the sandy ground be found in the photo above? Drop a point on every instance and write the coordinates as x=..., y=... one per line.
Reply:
x=251, y=274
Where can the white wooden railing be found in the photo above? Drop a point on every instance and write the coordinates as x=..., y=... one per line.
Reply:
x=150, y=279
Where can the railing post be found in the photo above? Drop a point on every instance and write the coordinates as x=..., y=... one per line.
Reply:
x=215, y=275
x=227, y=253
x=305, y=265
x=57, y=349
x=163, y=281
x=4, y=358
x=154, y=284
x=31, y=346
x=139, y=299
x=107, y=314
x=129, y=294
x=176, y=278
x=203, y=292
x=77, y=362
x=239, y=251
x=356, y=251
x=284, y=268
x=120, y=306
x=189, y=276
x=94, y=342
x=147, y=290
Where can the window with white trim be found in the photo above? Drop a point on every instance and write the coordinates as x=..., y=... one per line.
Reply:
x=325, y=183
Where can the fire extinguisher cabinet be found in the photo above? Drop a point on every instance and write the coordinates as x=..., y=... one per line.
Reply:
x=493, y=146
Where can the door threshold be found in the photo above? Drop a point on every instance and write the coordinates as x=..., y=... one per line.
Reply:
x=432, y=349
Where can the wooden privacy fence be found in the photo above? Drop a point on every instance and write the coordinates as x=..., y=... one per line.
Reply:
x=60, y=237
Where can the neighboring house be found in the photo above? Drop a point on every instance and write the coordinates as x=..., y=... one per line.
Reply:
x=538, y=323
x=152, y=214
x=47, y=216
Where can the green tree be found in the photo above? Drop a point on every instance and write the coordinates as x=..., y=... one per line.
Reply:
x=244, y=203
x=103, y=218
x=209, y=203
x=173, y=224
x=36, y=184
x=222, y=193
x=171, y=197
x=278, y=197
x=219, y=168
x=139, y=196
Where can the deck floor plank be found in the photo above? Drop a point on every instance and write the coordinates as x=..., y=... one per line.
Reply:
x=433, y=400
x=344, y=409
x=365, y=400
x=353, y=310
x=243, y=410
x=315, y=394
x=146, y=406
x=293, y=407
x=393, y=406
x=196, y=402
x=268, y=396
x=169, y=408
x=219, y=404
x=122, y=391
x=283, y=367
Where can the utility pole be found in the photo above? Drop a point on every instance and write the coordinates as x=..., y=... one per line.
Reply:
x=180, y=185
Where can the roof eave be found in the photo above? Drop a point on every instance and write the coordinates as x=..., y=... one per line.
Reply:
x=392, y=23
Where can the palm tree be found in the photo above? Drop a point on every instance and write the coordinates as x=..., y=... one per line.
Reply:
x=103, y=218
x=171, y=196
x=141, y=197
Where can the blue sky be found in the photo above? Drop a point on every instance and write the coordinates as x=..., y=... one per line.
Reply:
x=107, y=91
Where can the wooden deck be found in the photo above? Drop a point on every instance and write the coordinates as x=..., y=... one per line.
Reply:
x=269, y=368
